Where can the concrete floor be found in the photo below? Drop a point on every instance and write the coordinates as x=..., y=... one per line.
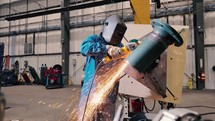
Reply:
x=36, y=103
x=199, y=98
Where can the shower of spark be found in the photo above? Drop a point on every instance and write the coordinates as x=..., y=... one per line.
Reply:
x=104, y=84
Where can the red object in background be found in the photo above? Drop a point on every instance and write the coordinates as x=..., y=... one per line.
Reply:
x=26, y=78
x=201, y=76
x=53, y=73
x=137, y=105
x=7, y=62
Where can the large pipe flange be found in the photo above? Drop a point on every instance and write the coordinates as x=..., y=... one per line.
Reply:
x=170, y=35
x=153, y=45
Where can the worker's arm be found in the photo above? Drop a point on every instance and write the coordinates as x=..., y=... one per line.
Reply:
x=92, y=47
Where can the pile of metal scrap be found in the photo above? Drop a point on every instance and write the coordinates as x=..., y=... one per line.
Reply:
x=17, y=76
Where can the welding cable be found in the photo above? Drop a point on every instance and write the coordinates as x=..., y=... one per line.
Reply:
x=198, y=106
x=147, y=109
x=190, y=116
x=209, y=113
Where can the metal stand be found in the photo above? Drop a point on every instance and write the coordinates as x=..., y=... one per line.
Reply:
x=2, y=99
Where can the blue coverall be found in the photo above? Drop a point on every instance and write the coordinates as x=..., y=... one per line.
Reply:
x=94, y=48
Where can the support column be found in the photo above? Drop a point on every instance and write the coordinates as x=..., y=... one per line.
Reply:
x=1, y=61
x=198, y=22
x=141, y=9
x=65, y=39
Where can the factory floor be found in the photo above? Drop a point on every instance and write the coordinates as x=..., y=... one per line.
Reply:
x=36, y=103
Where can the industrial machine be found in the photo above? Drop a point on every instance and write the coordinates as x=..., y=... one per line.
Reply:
x=167, y=87
x=158, y=81
x=54, y=77
x=138, y=64
x=148, y=65
x=10, y=77
x=34, y=75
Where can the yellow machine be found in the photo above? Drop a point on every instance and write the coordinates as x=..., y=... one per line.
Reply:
x=141, y=9
x=159, y=82
x=173, y=58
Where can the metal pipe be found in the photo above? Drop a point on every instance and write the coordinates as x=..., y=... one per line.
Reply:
x=153, y=45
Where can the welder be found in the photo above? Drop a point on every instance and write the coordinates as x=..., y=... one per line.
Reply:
x=95, y=48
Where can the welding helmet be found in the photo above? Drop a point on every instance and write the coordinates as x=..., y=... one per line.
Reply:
x=113, y=30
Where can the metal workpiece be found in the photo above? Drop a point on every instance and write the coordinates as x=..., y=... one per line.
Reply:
x=154, y=78
x=168, y=34
x=153, y=45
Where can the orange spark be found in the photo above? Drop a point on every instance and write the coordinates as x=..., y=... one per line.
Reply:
x=105, y=84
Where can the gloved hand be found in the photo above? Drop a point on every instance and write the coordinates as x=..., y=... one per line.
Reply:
x=114, y=52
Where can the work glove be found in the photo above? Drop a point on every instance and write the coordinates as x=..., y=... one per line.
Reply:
x=114, y=52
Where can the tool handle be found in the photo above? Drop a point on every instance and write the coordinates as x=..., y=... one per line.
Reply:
x=123, y=51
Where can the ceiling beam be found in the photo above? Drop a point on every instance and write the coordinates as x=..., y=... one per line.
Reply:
x=58, y=10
